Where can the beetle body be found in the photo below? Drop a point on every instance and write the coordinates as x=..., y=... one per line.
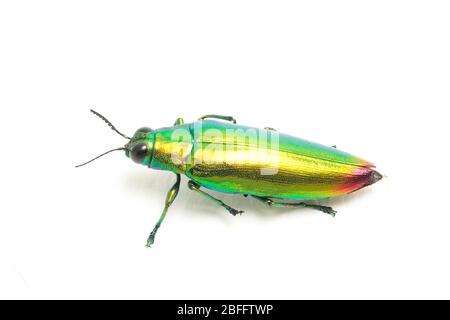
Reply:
x=230, y=158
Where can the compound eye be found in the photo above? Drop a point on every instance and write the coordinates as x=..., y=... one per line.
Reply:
x=144, y=130
x=138, y=152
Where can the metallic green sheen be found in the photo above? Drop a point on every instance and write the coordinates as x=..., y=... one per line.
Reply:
x=303, y=169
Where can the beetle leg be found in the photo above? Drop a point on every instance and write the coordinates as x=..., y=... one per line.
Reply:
x=196, y=187
x=272, y=203
x=215, y=116
x=178, y=121
x=171, y=195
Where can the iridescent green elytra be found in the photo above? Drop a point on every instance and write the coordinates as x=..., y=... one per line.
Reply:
x=269, y=166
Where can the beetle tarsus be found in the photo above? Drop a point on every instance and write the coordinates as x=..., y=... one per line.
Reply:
x=233, y=211
x=151, y=238
x=325, y=209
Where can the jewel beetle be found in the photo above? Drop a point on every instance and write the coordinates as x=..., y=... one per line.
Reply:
x=217, y=154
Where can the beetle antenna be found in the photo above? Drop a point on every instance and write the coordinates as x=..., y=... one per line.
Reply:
x=80, y=165
x=109, y=124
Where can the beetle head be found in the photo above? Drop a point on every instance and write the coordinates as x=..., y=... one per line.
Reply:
x=140, y=147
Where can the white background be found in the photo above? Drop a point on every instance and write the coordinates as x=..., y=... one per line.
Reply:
x=372, y=77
